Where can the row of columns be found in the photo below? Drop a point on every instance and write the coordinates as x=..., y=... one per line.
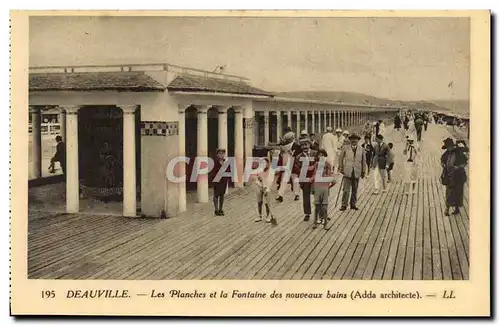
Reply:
x=202, y=145
x=69, y=133
x=333, y=118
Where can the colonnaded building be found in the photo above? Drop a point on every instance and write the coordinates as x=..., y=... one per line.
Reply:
x=122, y=124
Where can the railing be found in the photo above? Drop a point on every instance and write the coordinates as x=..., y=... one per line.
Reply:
x=136, y=67
x=47, y=129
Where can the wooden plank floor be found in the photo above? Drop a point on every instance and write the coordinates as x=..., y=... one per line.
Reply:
x=392, y=236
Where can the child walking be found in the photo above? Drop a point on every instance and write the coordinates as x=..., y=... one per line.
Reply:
x=219, y=184
x=411, y=167
x=390, y=161
x=322, y=182
x=368, y=147
x=263, y=184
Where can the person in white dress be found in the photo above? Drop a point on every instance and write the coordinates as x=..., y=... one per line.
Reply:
x=329, y=144
x=339, y=139
x=381, y=129
x=411, y=133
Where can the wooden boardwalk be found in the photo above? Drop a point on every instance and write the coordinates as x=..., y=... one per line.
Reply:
x=392, y=236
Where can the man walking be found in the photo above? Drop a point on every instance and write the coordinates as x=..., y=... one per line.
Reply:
x=304, y=167
x=59, y=156
x=419, y=124
x=352, y=164
x=381, y=152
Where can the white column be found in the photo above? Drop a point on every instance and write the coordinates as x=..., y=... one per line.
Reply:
x=289, y=118
x=222, y=127
x=72, y=177
x=182, y=153
x=266, y=128
x=279, y=125
x=297, y=134
x=248, y=114
x=36, y=142
x=306, y=121
x=202, y=152
x=238, y=144
x=334, y=123
x=62, y=124
x=319, y=122
x=313, y=112
x=129, y=170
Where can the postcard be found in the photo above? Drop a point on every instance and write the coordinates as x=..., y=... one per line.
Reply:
x=250, y=163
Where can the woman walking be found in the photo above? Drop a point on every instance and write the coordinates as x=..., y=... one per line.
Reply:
x=454, y=160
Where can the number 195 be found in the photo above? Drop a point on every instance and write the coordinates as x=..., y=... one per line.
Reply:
x=48, y=294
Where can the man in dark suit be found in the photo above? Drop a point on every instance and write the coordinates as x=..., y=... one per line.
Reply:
x=59, y=156
x=352, y=165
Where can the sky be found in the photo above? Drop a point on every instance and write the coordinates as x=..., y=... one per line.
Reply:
x=395, y=58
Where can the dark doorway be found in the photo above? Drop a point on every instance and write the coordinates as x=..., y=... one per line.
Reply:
x=191, y=143
x=100, y=148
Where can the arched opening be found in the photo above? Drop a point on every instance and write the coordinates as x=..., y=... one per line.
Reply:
x=230, y=132
x=273, y=122
x=100, y=137
x=213, y=131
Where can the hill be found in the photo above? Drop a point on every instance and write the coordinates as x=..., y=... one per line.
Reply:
x=458, y=106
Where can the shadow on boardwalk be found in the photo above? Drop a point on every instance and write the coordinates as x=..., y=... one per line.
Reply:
x=392, y=236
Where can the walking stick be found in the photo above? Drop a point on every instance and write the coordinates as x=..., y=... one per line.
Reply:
x=338, y=194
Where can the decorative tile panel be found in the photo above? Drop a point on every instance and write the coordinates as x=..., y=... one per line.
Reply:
x=249, y=123
x=159, y=128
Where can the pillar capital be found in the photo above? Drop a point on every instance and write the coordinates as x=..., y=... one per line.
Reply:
x=34, y=109
x=183, y=107
x=266, y=113
x=238, y=109
x=128, y=109
x=70, y=109
x=202, y=109
x=221, y=109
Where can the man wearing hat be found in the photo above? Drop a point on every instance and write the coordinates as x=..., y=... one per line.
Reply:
x=329, y=144
x=304, y=134
x=307, y=159
x=346, y=138
x=454, y=161
x=352, y=164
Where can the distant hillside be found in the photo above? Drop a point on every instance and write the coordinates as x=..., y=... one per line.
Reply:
x=459, y=106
